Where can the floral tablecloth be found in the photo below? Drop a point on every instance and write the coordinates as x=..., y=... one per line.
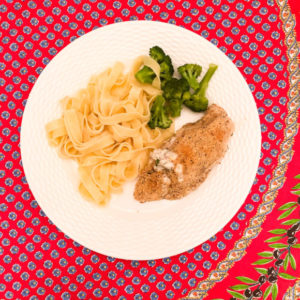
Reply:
x=256, y=255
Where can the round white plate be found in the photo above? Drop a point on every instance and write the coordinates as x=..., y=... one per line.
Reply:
x=126, y=228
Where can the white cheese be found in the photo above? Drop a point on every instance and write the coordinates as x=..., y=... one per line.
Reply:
x=166, y=183
x=163, y=159
x=179, y=172
x=166, y=180
x=170, y=142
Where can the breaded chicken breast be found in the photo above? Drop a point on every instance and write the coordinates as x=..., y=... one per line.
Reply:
x=185, y=160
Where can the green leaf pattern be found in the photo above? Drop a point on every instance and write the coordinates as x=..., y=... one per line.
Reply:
x=287, y=205
x=282, y=251
x=286, y=213
x=239, y=287
x=278, y=231
x=286, y=262
x=262, y=261
x=236, y=294
x=291, y=222
x=292, y=261
x=265, y=254
x=267, y=292
x=274, y=239
x=274, y=291
x=278, y=246
x=261, y=270
x=286, y=276
x=245, y=279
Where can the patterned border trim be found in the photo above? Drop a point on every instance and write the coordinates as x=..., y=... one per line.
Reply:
x=285, y=156
x=292, y=293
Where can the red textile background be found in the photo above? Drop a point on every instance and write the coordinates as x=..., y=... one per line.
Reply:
x=244, y=267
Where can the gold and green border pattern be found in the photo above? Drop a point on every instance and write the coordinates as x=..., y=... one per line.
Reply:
x=278, y=176
x=293, y=292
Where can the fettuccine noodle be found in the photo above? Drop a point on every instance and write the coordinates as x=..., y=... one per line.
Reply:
x=104, y=128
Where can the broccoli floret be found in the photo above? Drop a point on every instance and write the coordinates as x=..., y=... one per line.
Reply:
x=173, y=92
x=207, y=77
x=165, y=63
x=168, y=61
x=157, y=54
x=186, y=96
x=165, y=73
x=191, y=72
x=159, y=117
x=145, y=75
x=174, y=107
x=198, y=101
x=174, y=88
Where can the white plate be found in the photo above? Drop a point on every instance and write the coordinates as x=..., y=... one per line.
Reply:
x=126, y=228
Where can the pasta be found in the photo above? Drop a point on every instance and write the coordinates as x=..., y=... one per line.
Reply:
x=104, y=128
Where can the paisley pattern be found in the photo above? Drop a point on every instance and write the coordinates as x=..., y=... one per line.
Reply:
x=293, y=292
x=36, y=259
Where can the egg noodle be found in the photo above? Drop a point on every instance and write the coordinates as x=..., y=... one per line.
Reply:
x=104, y=128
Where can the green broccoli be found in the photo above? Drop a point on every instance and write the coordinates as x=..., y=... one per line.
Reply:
x=173, y=92
x=174, y=88
x=168, y=61
x=145, y=75
x=198, y=101
x=174, y=107
x=166, y=72
x=186, y=96
x=159, y=117
x=207, y=77
x=191, y=72
x=187, y=90
x=157, y=54
x=165, y=63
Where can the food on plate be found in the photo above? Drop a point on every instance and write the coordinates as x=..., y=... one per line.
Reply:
x=159, y=117
x=144, y=75
x=187, y=90
x=198, y=101
x=190, y=72
x=104, y=128
x=185, y=160
x=110, y=127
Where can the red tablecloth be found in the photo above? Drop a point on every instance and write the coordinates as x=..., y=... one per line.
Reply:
x=37, y=261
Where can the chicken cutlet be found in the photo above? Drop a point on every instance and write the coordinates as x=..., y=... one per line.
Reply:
x=185, y=160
